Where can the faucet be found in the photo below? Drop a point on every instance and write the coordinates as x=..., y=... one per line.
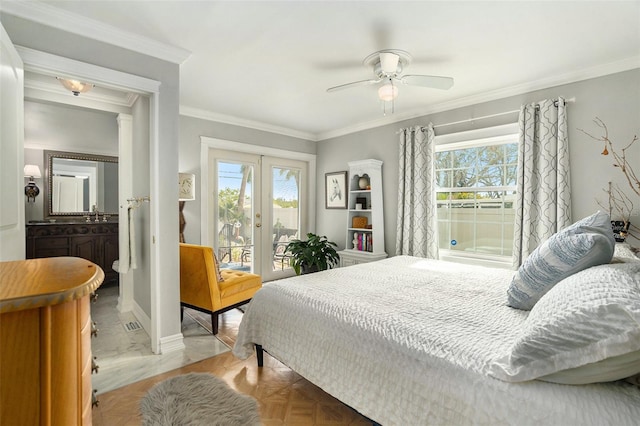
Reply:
x=95, y=210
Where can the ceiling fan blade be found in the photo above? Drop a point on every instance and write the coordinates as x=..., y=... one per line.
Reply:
x=354, y=84
x=433, y=81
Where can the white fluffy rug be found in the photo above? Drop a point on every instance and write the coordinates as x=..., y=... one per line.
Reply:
x=197, y=399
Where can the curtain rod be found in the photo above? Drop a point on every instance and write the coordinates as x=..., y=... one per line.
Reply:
x=492, y=115
x=476, y=118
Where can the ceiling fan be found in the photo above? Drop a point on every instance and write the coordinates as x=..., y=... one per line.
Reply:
x=388, y=65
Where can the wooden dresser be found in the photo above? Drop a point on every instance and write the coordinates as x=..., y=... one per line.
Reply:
x=45, y=348
x=94, y=241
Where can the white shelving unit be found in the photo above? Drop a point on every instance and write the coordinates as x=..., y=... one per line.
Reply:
x=364, y=244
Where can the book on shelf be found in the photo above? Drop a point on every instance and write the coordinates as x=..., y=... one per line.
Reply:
x=363, y=241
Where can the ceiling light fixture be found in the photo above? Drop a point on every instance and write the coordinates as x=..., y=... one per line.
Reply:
x=76, y=87
x=388, y=93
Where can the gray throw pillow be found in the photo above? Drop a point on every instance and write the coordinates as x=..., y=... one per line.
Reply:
x=586, y=243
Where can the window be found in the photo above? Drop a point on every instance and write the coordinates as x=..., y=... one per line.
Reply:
x=476, y=181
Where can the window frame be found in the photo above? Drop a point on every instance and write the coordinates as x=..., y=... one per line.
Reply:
x=489, y=136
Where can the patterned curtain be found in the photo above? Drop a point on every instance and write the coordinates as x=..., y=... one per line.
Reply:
x=543, y=203
x=417, y=229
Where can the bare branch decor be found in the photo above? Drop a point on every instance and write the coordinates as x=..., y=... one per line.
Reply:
x=619, y=202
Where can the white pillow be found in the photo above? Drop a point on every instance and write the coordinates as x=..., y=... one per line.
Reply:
x=624, y=253
x=607, y=370
x=589, y=317
x=588, y=242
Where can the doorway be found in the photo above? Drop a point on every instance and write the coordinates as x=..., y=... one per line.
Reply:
x=278, y=204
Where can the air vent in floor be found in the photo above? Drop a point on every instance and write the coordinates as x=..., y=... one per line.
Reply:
x=132, y=326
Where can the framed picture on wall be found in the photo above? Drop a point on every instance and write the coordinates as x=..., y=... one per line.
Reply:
x=335, y=190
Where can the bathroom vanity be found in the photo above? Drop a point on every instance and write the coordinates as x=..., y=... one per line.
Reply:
x=94, y=241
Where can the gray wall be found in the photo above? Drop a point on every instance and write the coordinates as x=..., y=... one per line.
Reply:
x=59, y=127
x=614, y=98
x=46, y=39
x=191, y=129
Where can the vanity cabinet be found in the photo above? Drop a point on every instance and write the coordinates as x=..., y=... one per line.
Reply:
x=94, y=241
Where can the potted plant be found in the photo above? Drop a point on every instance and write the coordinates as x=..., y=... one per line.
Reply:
x=313, y=255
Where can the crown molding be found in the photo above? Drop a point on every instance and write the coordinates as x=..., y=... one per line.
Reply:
x=242, y=122
x=59, y=66
x=54, y=17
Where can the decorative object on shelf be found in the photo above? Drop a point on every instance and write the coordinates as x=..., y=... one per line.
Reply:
x=363, y=182
x=621, y=205
x=363, y=241
x=186, y=192
x=359, y=222
x=620, y=230
x=74, y=86
x=31, y=190
x=313, y=255
x=362, y=201
x=336, y=190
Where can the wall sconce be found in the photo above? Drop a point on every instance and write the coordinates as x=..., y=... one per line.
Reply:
x=186, y=192
x=31, y=190
x=76, y=87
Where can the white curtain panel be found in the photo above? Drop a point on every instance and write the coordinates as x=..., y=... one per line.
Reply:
x=543, y=203
x=417, y=227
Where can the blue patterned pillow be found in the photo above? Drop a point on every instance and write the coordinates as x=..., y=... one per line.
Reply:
x=586, y=243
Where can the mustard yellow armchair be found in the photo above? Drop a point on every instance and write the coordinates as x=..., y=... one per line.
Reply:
x=201, y=288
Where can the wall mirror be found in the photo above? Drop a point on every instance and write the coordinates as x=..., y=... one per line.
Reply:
x=78, y=184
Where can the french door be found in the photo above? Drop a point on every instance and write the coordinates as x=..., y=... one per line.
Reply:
x=259, y=204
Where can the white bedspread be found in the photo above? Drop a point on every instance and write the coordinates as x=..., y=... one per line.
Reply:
x=407, y=341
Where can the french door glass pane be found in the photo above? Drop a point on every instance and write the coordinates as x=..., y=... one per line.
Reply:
x=235, y=213
x=285, y=213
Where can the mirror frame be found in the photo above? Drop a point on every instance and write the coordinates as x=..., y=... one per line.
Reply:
x=48, y=165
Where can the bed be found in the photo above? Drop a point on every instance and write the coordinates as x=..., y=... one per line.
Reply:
x=408, y=341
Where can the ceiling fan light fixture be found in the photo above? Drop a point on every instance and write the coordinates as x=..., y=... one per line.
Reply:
x=74, y=86
x=388, y=92
x=389, y=62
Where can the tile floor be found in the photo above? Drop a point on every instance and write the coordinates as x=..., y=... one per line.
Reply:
x=125, y=356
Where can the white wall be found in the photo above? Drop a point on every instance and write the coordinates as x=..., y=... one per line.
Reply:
x=614, y=98
x=142, y=215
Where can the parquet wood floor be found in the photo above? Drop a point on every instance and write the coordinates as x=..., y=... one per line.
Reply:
x=285, y=397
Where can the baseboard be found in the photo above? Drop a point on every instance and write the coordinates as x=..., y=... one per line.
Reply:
x=166, y=344
x=171, y=343
x=141, y=316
